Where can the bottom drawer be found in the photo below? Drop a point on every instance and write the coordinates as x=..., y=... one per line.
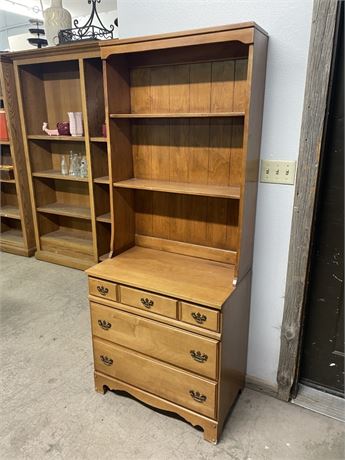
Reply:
x=173, y=384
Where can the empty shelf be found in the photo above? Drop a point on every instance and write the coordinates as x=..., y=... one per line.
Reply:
x=98, y=139
x=9, y=211
x=182, y=188
x=52, y=174
x=102, y=180
x=178, y=115
x=12, y=237
x=69, y=210
x=68, y=239
x=104, y=218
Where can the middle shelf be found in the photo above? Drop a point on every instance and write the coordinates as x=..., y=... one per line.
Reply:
x=181, y=188
x=64, y=209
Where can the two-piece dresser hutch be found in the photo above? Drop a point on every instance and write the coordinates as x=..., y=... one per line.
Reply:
x=170, y=307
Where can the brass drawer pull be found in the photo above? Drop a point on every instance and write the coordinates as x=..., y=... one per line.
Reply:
x=197, y=396
x=199, y=318
x=104, y=324
x=107, y=361
x=198, y=356
x=147, y=302
x=102, y=290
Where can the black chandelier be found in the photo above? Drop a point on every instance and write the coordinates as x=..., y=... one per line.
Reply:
x=88, y=31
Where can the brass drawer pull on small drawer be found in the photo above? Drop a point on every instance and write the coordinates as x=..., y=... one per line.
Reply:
x=102, y=290
x=104, y=324
x=199, y=318
x=197, y=396
x=107, y=361
x=198, y=356
x=147, y=302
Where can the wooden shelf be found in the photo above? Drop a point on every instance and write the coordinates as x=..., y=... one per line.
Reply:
x=45, y=137
x=98, y=139
x=181, y=188
x=8, y=181
x=68, y=210
x=178, y=115
x=68, y=239
x=2, y=142
x=52, y=174
x=104, y=218
x=10, y=211
x=104, y=257
x=102, y=180
x=13, y=237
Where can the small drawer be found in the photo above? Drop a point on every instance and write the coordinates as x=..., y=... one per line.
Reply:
x=188, y=390
x=147, y=301
x=200, y=316
x=103, y=289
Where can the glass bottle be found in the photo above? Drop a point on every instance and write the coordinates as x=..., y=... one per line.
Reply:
x=64, y=166
x=71, y=166
x=83, y=166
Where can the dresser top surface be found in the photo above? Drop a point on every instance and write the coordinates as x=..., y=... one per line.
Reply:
x=187, y=278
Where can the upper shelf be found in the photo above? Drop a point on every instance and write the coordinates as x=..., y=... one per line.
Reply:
x=178, y=115
x=216, y=191
x=45, y=137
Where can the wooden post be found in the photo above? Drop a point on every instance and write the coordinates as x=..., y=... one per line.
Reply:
x=314, y=111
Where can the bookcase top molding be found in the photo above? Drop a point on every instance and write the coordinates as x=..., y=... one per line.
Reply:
x=243, y=32
x=57, y=53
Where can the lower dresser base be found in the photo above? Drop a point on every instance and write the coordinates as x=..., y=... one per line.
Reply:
x=210, y=427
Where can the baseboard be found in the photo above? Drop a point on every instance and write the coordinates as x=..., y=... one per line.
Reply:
x=261, y=385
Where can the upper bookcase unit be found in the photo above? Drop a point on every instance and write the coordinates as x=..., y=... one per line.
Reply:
x=184, y=113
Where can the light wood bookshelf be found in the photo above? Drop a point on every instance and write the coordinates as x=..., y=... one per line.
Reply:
x=184, y=114
x=71, y=214
x=17, y=229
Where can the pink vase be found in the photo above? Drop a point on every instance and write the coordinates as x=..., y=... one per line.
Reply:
x=75, y=124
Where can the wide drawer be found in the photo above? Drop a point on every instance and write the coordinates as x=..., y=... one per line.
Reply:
x=200, y=316
x=177, y=347
x=148, y=301
x=103, y=289
x=191, y=391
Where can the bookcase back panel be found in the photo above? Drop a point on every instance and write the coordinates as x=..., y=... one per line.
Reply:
x=49, y=92
x=200, y=151
x=58, y=191
x=8, y=195
x=5, y=155
x=46, y=155
x=218, y=86
x=211, y=222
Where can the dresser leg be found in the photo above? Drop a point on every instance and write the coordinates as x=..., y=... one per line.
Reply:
x=100, y=385
x=211, y=433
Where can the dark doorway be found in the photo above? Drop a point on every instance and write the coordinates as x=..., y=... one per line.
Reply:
x=322, y=360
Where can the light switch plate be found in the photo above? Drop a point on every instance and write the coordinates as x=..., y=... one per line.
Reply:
x=278, y=171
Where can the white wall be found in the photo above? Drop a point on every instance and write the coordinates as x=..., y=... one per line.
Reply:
x=288, y=24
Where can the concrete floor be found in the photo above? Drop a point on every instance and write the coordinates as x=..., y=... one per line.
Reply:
x=49, y=408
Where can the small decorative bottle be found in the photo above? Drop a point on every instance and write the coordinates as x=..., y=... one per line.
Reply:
x=64, y=166
x=83, y=166
x=71, y=164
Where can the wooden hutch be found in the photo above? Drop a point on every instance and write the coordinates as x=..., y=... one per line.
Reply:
x=170, y=309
